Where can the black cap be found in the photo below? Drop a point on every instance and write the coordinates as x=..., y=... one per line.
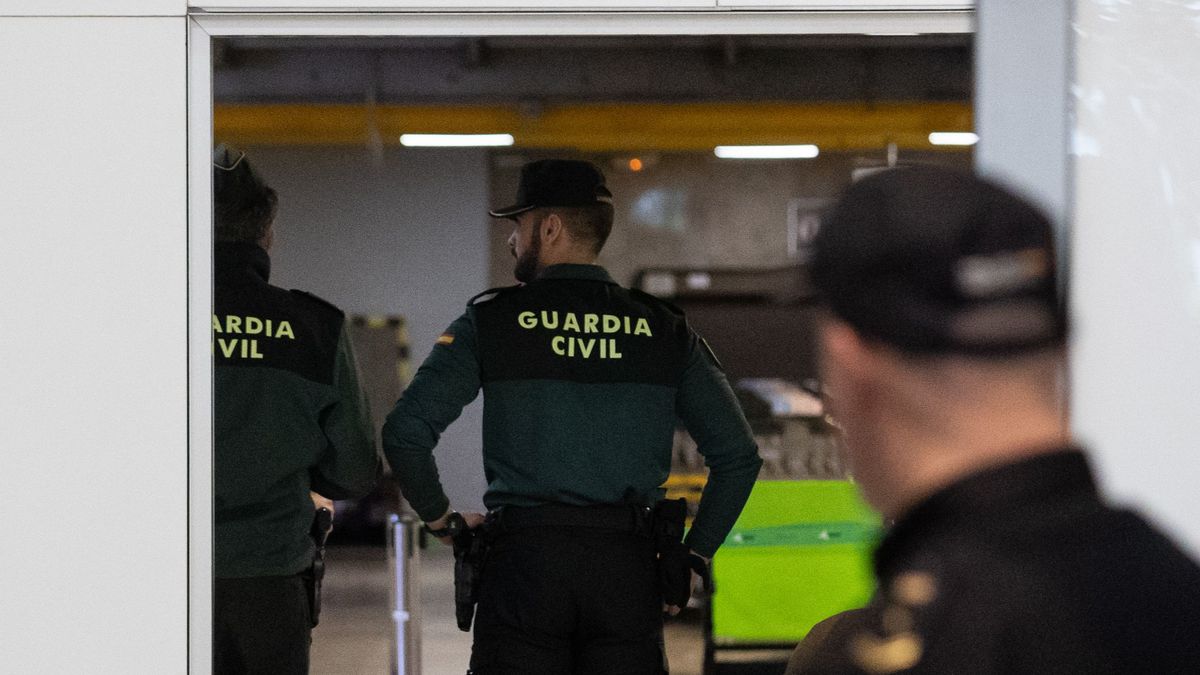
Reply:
x=936, y=261
x=557, y=182
x=232, y=172
x=243, y=204
x=226, y=158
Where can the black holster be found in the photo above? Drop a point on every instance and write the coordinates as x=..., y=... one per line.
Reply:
x=321, y=526
x=469, y=549
x=675, y=561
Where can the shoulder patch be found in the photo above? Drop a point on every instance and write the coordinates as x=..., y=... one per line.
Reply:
x=654, y=299
x=896, y=643
x=492, y=293
x=320, y=301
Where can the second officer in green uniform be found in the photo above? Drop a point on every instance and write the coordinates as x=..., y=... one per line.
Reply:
x=289, y=417
x=583, y=383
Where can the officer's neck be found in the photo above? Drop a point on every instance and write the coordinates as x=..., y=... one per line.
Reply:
x=941, y=464
x=965, y=439
x=565, y=256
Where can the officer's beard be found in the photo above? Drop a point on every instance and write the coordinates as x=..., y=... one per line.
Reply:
x=528, y=265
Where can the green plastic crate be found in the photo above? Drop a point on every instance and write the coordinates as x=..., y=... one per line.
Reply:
x=799, y=553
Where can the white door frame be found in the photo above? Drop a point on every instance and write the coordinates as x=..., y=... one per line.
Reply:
x=203, y=27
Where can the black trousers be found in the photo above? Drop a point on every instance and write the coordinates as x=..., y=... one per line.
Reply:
x=261, y=625
x=569, y=601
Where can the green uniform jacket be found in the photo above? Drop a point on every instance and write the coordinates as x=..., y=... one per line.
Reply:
x=290, y=417
x=583, y=383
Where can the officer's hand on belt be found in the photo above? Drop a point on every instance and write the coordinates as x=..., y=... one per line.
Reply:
x=675, y=609
x=321, y=502
x=443, y=529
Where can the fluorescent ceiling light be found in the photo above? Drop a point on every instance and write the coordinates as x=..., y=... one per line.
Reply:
x=893, y=34
x=455, y=140
x=953, y=138
x=766, y=151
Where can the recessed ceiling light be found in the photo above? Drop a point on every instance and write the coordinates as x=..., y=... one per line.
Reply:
x=953, y=138
x=455, y=140
x=766, y=151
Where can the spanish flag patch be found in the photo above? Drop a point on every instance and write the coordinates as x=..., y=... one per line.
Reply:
x=445, y=339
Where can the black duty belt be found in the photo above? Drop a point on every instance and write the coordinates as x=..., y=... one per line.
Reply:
x=608, y=517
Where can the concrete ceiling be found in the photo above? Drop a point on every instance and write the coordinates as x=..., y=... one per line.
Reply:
x=547, y=71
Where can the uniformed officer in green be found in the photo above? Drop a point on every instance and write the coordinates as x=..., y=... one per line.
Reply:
x=583, y=382
x=943, y=357
x=289, y=417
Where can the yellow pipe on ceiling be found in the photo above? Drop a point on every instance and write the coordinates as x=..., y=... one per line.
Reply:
x=604, y=127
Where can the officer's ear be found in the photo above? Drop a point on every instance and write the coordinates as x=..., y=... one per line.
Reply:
x=552, y=228
x=844, y=353
x=268, y=239
x=863, y=363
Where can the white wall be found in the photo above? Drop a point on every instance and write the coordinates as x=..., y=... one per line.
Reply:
x=1022, y=66
x=822, y=5
x=404, y=235
x=1122, y=176
x=93, y=7
x=1136, y=248
x=93, y=328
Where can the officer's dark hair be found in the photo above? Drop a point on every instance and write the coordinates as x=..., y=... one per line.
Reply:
x=587, y=224
x=244, y=205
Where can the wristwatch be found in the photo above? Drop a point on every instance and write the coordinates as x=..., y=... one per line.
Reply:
x=455, y=523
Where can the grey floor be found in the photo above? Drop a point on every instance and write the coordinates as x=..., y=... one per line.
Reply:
x=355, y=635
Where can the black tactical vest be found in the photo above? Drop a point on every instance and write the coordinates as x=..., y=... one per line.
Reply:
x=258, y=325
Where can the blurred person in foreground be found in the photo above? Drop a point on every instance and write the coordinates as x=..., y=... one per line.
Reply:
x=291, y=429
x=943, y=362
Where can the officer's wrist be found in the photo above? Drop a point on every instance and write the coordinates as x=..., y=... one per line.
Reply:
x=440, y=522
x=453, y=524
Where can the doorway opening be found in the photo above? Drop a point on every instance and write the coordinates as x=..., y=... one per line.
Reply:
x=398, y=236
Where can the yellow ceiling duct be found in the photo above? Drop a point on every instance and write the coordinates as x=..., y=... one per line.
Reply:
x=605, y=127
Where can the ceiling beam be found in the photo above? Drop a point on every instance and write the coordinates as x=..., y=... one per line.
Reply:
x=613, y=127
